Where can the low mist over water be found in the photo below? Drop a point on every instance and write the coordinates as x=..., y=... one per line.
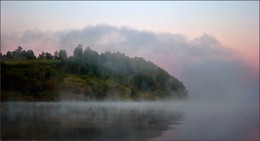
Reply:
x=128, y=120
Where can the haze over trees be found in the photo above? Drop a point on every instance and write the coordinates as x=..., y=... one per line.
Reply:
x=87, y=75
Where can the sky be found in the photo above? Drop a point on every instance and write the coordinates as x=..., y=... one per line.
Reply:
x=234, y=23
x=179, y=36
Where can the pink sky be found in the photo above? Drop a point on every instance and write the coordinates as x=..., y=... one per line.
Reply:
x=235, y=24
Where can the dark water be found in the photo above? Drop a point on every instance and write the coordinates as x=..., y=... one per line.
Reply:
x=78, y=120
x=127, y=120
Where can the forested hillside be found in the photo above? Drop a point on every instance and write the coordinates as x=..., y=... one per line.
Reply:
x=87, y=75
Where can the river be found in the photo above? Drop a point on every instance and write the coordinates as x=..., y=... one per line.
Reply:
x=165, y=120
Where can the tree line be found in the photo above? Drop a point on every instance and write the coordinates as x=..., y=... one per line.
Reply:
x=19, y=53
x=85, y=75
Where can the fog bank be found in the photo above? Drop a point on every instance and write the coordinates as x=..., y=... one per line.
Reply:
x=209, y=69
x=165, y=120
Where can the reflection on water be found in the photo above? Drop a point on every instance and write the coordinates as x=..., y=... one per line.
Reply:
x=189, y=120
x=90, y=120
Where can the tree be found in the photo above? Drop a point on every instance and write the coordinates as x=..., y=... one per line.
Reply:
x=93, y=75
x=24, y=54
x=63, y=54
x=48, y=55
x=30, y=55
x=56, y=55
x=42, y=56
x=17, y=53
x=90, y=55
x=78, y=51
x=9, y=55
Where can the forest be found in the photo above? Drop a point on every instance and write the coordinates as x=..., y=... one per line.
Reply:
x=87, y=75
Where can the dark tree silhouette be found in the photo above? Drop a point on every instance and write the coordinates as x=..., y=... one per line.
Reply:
x=56, y=55
x=78, y=51
x=30, y=55
x=63, y=54
x=48, y=56
x=88, y=73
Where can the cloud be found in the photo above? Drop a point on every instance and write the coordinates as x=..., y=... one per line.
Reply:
x=206, y=67
x=36, y=40
x=224, y=80
x=168, y=50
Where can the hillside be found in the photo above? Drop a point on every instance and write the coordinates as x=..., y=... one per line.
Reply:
x=87, y=75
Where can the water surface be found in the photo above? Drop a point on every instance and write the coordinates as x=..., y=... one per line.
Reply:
x=128, y=120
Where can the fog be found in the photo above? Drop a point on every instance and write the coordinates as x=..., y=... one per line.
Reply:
x=214, y=120
x=209, y=69
x=86, y=120
x=129, y=120
x=223, y=89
